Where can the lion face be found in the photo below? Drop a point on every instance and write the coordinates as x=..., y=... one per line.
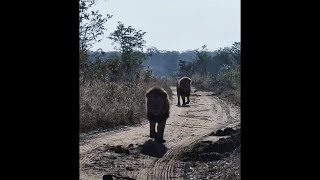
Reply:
x=156, y=103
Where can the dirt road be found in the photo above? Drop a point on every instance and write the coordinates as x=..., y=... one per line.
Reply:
x=130, y=154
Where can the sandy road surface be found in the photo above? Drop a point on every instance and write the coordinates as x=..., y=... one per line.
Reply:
x=185, y=127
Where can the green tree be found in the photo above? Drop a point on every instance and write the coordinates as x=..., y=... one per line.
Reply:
x=236, y=52
x=92, y=25
x=185, y=68
x=130, y=43
x=201, y=61
x=230, y=55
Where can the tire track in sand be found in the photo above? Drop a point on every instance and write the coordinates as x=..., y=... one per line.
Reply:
x=165, y=167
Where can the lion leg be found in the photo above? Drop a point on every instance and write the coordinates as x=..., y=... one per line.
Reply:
x=188, y=100
x=183, y=100
x=160, y=131
x=178, y=94
x=179, y=100
x=152, y=129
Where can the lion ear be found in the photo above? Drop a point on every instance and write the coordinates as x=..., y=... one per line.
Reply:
x=165, y=95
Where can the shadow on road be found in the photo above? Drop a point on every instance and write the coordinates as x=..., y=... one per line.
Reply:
x=183, y=106
x=153, y=148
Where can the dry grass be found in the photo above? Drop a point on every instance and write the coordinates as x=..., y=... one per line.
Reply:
x=108, y=104
x=226, y=85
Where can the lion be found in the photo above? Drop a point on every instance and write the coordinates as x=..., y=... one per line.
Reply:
x=183, y=90
x=157, y=107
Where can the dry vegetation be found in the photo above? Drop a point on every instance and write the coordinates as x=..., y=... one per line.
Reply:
x=227, y=84
x=111, y=104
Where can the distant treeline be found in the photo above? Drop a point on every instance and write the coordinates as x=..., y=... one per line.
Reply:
x=167, y=63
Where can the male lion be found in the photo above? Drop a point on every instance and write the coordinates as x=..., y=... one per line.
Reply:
x=183, y=90
x=157, y=111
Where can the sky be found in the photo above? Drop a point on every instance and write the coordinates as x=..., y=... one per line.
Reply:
x=175, y=25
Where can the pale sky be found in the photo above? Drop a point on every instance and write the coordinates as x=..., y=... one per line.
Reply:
x=178, y=25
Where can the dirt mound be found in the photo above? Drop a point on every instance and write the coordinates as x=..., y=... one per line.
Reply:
x=120, y=150
x=208, y=151
x=225, y=132
x=115, y=177
x=215, y=160
x=226, y=169
x=116, y=161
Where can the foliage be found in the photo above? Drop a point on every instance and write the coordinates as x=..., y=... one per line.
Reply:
x=92, y=24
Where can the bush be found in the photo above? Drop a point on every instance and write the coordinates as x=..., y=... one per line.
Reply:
x=226, y=83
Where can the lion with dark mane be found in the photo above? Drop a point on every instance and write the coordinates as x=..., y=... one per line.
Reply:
x=183, y=90
x=157, y=111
